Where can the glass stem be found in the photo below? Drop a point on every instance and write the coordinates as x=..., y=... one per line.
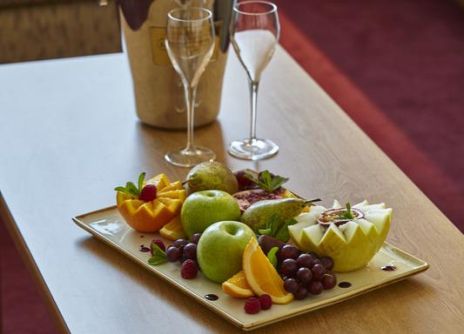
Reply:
x=253, y=106
x=190, y=93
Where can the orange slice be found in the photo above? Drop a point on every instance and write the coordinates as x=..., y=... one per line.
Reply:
x=160, y=181
x=237, y=286
x=177, y=185
x=174, y=205
x=261, y=275
x=173, y=230
x=174, y=194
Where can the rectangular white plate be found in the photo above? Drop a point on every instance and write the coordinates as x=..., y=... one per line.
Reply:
x=108, y=226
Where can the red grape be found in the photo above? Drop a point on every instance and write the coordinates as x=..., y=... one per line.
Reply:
x=327, y=262
x=195, y=238
x=288, y=267
x=291, y=285
x=190, y=251
x=305, y=260
x=304, y=275
x=315, y=287
x=318, y=271
x=267, y=242
x=329, y=281
x=301, y=293
x=180, y=243
x=173, y=253
x=288, y=252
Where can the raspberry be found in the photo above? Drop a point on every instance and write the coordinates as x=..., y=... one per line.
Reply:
x=265, y=301
x=159, y=243
x=189, y=269
x=252, y=305
x=148, y=193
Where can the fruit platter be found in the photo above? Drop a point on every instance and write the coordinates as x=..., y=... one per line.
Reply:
x=248, y=248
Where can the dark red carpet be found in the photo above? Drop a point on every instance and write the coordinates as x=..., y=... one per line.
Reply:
x=396, y=67
x=22, y=307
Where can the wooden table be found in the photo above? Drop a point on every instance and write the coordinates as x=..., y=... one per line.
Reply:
x=68, y=135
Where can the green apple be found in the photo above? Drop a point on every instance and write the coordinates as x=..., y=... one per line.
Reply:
x=220, y=249
x=203, y=208
x=351, y=243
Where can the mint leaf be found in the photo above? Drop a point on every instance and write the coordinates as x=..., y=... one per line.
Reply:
x=140, y=181
x=158, y=255
x=156, y=261
x=348, y=214
x=272, y=256
x=283, y=234
x=131, y=188
x=274, y=223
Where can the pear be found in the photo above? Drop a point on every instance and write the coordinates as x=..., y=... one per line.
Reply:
x=211, y=175
x=259, y=214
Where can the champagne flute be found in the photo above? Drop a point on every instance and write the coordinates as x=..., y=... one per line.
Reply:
x=255, y=29
x=190, y=45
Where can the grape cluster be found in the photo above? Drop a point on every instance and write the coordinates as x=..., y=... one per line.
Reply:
x=304, y=273
x=185, y=252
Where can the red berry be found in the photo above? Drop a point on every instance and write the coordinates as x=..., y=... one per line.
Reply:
x=265, y=301
x=189, y=269
x=148, y=193
x=252, y=305
x=159, y=243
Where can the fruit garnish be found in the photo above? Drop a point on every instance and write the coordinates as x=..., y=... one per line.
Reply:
x=237, y=286
x=265, y=180
x=132, y=189
x=351, y=243
x=158, y=255
x=151, y=204
x=261, y=275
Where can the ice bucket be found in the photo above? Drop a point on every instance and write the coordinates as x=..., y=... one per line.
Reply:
x=158, y=90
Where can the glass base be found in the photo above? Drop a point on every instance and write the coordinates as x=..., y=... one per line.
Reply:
x=253, y=149
x=191, y=157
